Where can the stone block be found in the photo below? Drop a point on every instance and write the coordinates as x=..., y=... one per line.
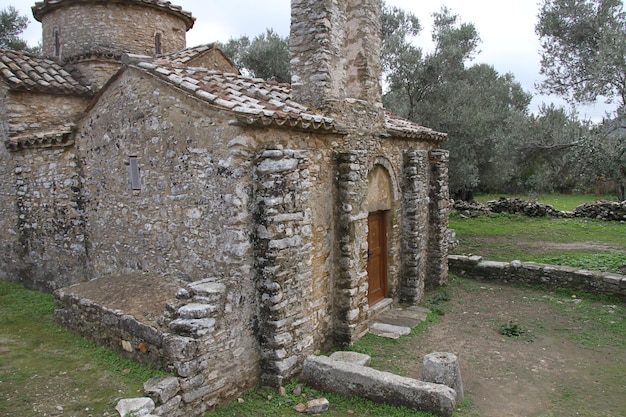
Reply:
x=443, y=368
x=135, y=407
x=352, y=380
x=161, y=389
x=352, y=357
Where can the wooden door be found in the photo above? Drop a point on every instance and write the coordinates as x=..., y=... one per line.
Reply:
x=377, y=257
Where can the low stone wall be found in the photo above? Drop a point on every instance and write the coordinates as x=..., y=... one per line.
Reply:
x=532, y=273
x=601, y=210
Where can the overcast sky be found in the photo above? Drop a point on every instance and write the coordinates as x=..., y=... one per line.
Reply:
x=506, y=28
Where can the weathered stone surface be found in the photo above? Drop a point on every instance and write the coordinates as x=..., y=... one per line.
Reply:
x=389, y=331
x=317, y=406
x=161, y=389
x=353, y=380
x=552, y=276
x=352, y=357
x=135, y=407
x=443, y=368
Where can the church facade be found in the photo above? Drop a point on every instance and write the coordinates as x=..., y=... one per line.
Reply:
x=220, y=226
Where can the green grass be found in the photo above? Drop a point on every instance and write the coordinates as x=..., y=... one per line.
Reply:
x=583, y=243
x=45, y=369
x=563, y=202
x=268, y=403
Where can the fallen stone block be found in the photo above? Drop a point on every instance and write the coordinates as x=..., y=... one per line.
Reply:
x=317, y=406
x=135, y=407
x=388, y=330
x=351, y=380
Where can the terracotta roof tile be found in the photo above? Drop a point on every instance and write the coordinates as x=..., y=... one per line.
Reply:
x=241, y=95
x=257, y=101
x=186, y=55
x=24, y=71
x=62, y=136
x=400, y=127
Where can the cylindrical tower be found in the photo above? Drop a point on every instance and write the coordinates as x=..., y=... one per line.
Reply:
x=74, y=28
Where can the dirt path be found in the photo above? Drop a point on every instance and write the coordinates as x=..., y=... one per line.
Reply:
x=544, y=372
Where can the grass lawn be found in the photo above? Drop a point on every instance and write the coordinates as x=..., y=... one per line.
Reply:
x=47, y=371
x=583, y=243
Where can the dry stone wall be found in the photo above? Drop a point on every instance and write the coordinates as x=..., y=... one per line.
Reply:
x=532, y=273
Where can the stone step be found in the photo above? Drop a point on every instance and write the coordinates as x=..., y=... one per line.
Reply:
x=394, y=322
x=389, y=331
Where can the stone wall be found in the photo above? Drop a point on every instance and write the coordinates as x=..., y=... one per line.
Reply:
x=283, y=246
x=45, y=222
x=203, y=339
x=532, y=273
x=27, y=111
x=190, y=217
x=439, y=212
x=114, y=26
x=600, y=210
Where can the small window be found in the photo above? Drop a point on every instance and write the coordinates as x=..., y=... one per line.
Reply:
x=57, y=43
x=135, y=175
x=157, y=44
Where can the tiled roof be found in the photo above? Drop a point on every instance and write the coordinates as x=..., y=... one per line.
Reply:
x=186, y=55
x=398, y=126
x=62, y=136
x=256, y=101
x=43, y=7
x=23, y=71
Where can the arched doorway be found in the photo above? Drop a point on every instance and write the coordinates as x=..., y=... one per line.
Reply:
x=379, y=201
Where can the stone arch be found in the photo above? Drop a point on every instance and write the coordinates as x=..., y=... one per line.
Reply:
x=382, y=186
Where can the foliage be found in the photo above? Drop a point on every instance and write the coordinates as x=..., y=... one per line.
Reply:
x=583, y=59
x=583, y=48
x=511, y=329
x=266, y=56
x=11, y=27
x=44, y=366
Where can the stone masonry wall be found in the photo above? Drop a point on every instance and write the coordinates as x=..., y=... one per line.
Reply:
x=415, y=205
x=28, y=111
x=351, y=223
x=317, y=41
x=439, y=211
x=283, y=245
x=111, y=27
x=203, y=339
x=47, y=243
x=8, y=214
x=531, y=273
x=190, y=219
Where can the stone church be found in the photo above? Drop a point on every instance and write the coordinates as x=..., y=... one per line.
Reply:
x=219, y=226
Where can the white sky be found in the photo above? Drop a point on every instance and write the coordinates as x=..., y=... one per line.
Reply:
x=506, y=28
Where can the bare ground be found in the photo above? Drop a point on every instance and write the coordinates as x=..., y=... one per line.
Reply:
x=542, y=373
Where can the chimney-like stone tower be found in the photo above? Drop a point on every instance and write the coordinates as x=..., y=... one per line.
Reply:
x=335, y=57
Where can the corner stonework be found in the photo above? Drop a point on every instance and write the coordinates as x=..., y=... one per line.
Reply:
x=351, y=287
x=282, y=244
